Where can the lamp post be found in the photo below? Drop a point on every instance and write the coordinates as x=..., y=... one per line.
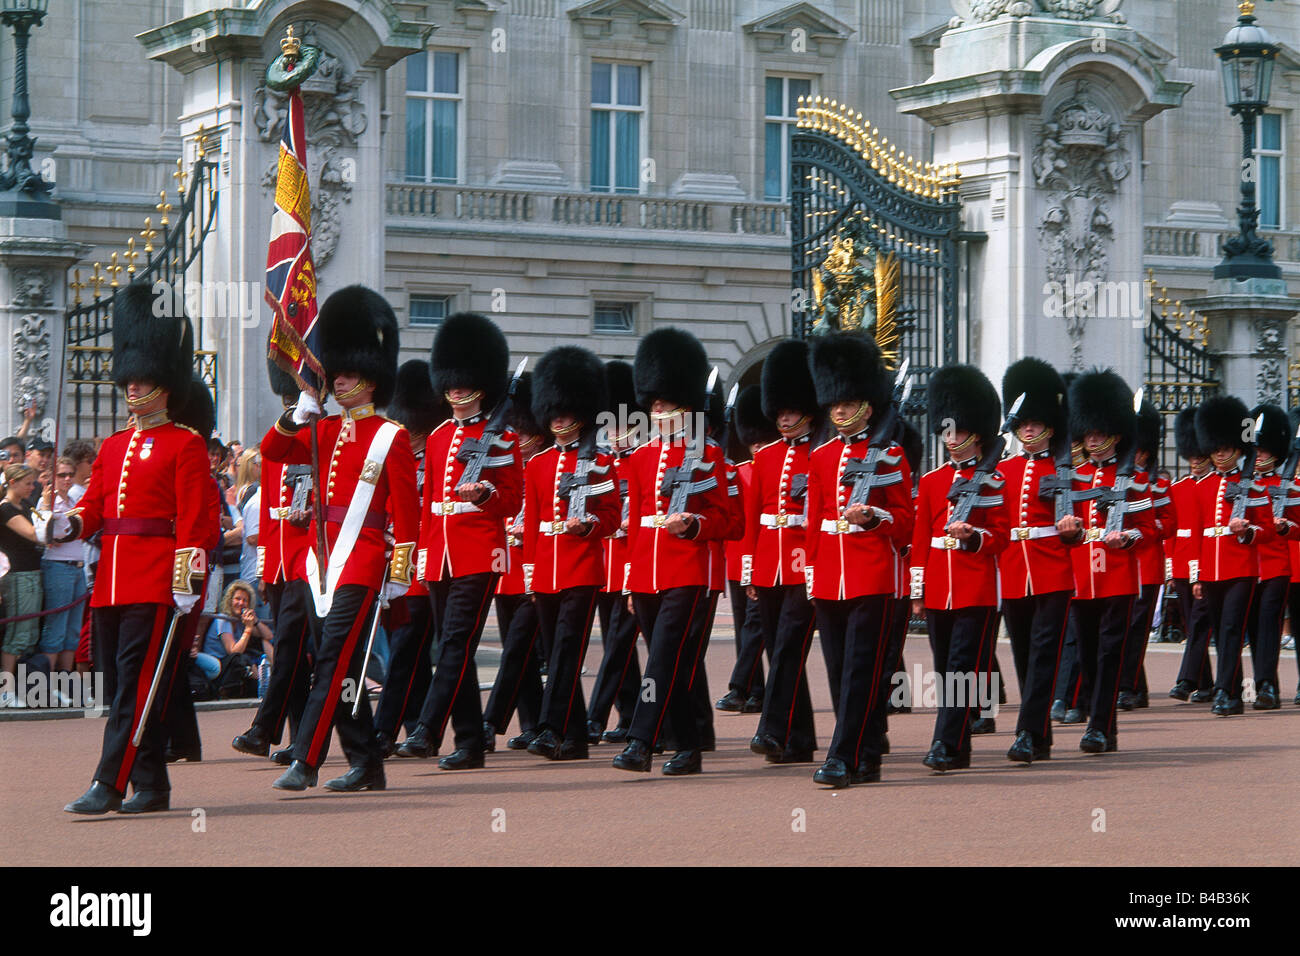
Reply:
x=22, y=15
x=1246, y=61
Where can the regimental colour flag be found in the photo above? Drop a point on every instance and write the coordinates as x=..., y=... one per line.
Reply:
x=290, y=276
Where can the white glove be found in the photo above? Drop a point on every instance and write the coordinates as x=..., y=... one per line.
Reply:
x=808, y=581
x=185, y=602
x=394, y=590
x=306, y=407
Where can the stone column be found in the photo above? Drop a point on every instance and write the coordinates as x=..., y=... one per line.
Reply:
x=1248, y=329
x=35, y=255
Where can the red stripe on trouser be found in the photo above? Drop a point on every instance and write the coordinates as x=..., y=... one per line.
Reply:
x=1113, y=724
x=523, y=671
x=342, y=664
x=705, y=634
x=686, y=636
x=631, y=655
x=794, y=698
x=293, y=677
x=873, y=689
x=990, y=616
x=142, y=684
x=577, y=668
x=1060, y=647
x=469, y=658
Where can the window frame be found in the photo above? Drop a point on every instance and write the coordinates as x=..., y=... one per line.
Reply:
x=449, y=304
x=429, y=97
x=1280, y=155
x=786, y=123
x=613, y=107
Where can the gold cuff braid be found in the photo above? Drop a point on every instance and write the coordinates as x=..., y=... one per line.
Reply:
x=188, y=571
x=399, y=569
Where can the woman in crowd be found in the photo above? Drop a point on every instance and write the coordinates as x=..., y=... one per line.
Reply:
x=63, y=572
x=220, y=642
x=20, y=589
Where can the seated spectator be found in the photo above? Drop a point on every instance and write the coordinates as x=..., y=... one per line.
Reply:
x=220, y=643
x=20, y=589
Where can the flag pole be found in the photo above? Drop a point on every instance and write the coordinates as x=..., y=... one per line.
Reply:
x=318, y=503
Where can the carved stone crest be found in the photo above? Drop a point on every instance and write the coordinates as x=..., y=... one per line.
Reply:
x=981, y=11
x=1270, y=382
x=334, y=118
x=1080, y=161
x=31, y=355
x=32, y=288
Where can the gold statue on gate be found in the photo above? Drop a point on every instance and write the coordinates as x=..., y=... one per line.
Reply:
x=856, y=287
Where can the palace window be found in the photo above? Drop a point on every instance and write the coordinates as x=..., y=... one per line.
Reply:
x=433, y=116
x=617, y=127
x=781, y=101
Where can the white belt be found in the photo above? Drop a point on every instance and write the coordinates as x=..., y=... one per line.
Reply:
x=840, y=526
x=1217, y=532
x=782, y=520
x=280, y=514
x=945, y=544
x=452, y=507
x=1025, y=533
x=653, y=521
x=1183, y=533
x=551, y=527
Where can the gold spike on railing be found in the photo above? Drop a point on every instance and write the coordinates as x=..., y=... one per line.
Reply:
x=113, y=270
x=163, y=207
x=148, y=234
x=96, y=280
x=76, y=285
x=179, y=176
x=131, y=255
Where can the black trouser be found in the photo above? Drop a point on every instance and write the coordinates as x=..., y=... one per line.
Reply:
x=410, y=667
x=565, y=619
x=747, y=676
x=1195, y=667
x=894, y=679
x=519, y=675
x=460, y=609
x=336, y=680
x=670, y=619
x=1069, y=676
x=1229, y=604
x=130, y=639
x=1036, y=625
x=699, y=684
x=286, y=692
x=1266, y=611
x=1133, y=675
x=619, y=679
x=178, y=714
x=1101, y=627
x=788, y=622
x=860, y=626
x=962, y=641
x=1293, y=609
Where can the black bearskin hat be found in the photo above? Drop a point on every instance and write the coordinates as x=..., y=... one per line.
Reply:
x=913, y=444
x=1150, y=430
x=1185, y=442
x=1101, y=402
x=469, y=351
x=750, y=422
x=621, y=394
x=148, y=347
x=788, y=382
x=569, y=380
x=197, y=411
x=282, y=383
x=1275, y=432
x=1222, y=421
x=716, y=416
x=848, y=367
x=415, y=404
x=358, y=333
x=671, y=365
x=962, y=395
x=1043, y=389
x=521, y=411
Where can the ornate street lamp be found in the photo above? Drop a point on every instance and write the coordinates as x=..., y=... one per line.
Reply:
x=22, y=15
x=1246, y=60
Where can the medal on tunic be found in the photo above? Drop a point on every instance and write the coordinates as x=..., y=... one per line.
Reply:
x=147, y=450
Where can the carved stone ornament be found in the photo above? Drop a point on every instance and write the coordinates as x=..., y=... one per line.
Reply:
x=1270, y=384
x=33, y=288
x=982, y=11
x=1079, y=161
x=31, y=362
x=334, y=118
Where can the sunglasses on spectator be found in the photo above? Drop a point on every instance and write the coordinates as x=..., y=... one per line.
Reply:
x=64, y=474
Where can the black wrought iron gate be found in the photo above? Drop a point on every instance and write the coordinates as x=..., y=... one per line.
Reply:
x=173, y=256
x=841, y=171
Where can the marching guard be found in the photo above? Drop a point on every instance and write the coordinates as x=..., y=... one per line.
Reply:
x=370, y=484
x=150, y=499
x=1273, y=443
x=1195, y=675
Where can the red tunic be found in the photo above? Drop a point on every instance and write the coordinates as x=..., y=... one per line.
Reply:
x=346, y=439
x=1101, y=571
x=561, y=560
x=735, y=547
x=282, y=548
x=1223, y=556
x=156, y=474
x=459, y=537
x=615, y=545
x=1186, y=543
x=658, y=558
x=775, y=528
x=849, y=561
x=1035, y=561
x=1275, y=552
x=512, y=581
x=735, y=531
x=1151, y=551
x=951, y=577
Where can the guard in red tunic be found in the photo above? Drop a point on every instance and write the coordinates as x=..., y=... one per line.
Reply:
x=282, y=544
x=1293, y=539
x=677, y=503
x=518, y=685
x=776, y=542
x=1035, y=571
x=463, y=532
x=1235, y=517
x=619, y=679
x=369, y=485
x=751, y=430
x=1105, y=561
x=1133, y=693
x=859, y=521
x=1195, y=675
x=150, y=499
x=571, y=503
x=1273, y=444
x=954, y=560
x=417, y=408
